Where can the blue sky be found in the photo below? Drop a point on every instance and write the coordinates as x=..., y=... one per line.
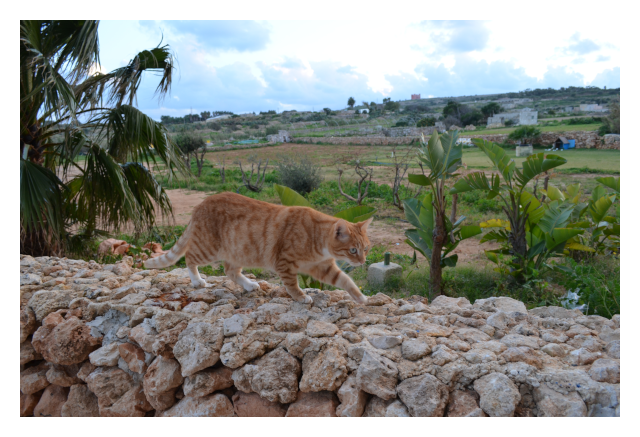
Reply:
x=246, y=66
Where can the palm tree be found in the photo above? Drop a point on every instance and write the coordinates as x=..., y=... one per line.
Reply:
x=67, y=111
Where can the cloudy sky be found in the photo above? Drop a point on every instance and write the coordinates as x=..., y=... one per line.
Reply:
x=246, y=66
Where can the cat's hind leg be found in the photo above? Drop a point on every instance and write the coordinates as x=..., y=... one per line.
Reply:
x=192, y=265
x=235, y=274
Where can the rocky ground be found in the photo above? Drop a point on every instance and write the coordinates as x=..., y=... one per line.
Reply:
x=112, y=340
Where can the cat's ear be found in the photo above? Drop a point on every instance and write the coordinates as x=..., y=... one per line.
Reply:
x=341, y=231
x=365, y=224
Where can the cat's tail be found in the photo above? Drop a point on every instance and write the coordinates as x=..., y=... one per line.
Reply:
x=174, y=255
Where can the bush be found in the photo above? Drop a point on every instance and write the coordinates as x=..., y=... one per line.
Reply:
x=272, y=130
x=509, y=123
x=299, y=175
x=401, y=124
x=427, y=121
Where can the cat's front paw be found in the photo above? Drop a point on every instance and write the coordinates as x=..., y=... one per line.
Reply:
x=251, y=286
x=362, y=299
x=200, y=283
x=305, y=299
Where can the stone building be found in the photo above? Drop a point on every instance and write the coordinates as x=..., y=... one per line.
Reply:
x=592, y=108
x=415, y=96
x=526, y=116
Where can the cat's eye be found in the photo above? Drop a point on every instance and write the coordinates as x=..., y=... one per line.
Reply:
x=353, y=250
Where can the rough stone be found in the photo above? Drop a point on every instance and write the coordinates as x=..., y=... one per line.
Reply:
x=64, y=376
x=613, y=349
x=378, y=407
x=252, y=405
x=80, y=403
x=273, y=376
x=109, y=384
x=353, y=400
x=499, y=396
x=314, y=404
x=198, y=347
x=414, y=349
x=69, y=342
x=207, y=381
x=133, y=403
x=105, y=356
x=51, y=403
x=236, y=324
x=424, y=396
x=325, y=370
x=463, y=404
x=605, y=370
x=28, y=353
x=377, y=375
x=215, y=405
x=28, y=323
x=550, y=403
x=162, y=376
x=134, y=356
x=317, y=328
x=34, y=379
x=28, y=403
x=167, y=339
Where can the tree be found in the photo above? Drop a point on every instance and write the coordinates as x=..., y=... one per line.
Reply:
x=525, y=134
x=351, y=102
x=392, y=106
x=65, y=109
x=472, y=117
x=327, y=111
x=427, y=121
x=490, y=109
x=191, y=143
x=612, y=121
x=204, y=115
x=451, y=109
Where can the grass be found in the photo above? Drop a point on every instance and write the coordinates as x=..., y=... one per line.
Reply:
x=553, y=128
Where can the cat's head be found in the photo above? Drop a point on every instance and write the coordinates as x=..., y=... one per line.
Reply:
x=349, y=241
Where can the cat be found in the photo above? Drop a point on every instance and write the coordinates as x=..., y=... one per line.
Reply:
x=288, y=240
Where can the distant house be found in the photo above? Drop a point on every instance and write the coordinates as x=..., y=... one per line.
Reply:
x=592, y=108
x=219, y=117
x=526, y=116
x=415, y=96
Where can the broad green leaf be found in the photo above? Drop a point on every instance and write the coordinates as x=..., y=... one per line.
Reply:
x=573, y=193
x=288, y=197
x=469, y=231
x=556, y=216
x=441, y=154
x=412, y=211
x=417, y=243
x=598, y=209
x=492, y=256
x=611, y=182
x=477, y=181
x=578, y=246
x=537, y=164
x=498, y=156
x=450, y=261
x=426, y=217
x=598, y=192
x=554, y=194
x=615, y=230
x=496, y=223
x=419, y=179
x=497, y=236
x=356, y=214
x=535, y=209
x=560, y=235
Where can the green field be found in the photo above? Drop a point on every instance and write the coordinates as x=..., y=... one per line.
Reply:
x=558, y=128
x=598, y=160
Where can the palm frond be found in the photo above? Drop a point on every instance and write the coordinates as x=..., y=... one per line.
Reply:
x=40, y=199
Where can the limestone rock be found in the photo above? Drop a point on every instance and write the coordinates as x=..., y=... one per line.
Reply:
x=605, y=370
x=498, y=395
x=424, y=396
x=378, y=407
x=379, y=300
x=207, y=381
x=105, y=356
x=34, y=379
x=51, y=402
x=166, y=340
x=243, y=348
x=45, y=302
x=252, y=405
x=414, y=349
x=450, y=302
x=108, y=384
x=314, y=404
x=463, y=404
x=145, y=335
x=80, y=403
x=28, y=403
x=215, y=405
x=353, y=400
x=236, y=324
x=553, y=350
x=64, y=376
x=133, y=403
x=505, y=304
x=69, y=342
x=550, y=403
x=28, y=323
x=28, y=353
x=292, y=322
x=273, y=376
x=134, y=357
x=162, y=376
x=613, y=349
x=325, y=370
x=317, y=328
x=198, y=347
x=377, y=375
x=524, y=354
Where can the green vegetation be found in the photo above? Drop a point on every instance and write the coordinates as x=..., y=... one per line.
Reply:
x=65, y=110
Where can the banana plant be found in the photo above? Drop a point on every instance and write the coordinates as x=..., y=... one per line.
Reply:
x=602, y=230
x=421, y=214
x=435, y=236
x=289, y=197
x=522, y=209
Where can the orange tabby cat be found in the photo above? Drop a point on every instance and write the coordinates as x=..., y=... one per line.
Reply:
x=285, y=239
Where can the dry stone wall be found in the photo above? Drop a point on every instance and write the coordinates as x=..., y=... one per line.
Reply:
x=112, y=341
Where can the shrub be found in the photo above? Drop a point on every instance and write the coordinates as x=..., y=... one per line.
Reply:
x=300, y=175
x=401, y=124
x=509, y=123
x=427, y=121
x=272, y=130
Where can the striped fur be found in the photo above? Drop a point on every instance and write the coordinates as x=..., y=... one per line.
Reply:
x=245, y=232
